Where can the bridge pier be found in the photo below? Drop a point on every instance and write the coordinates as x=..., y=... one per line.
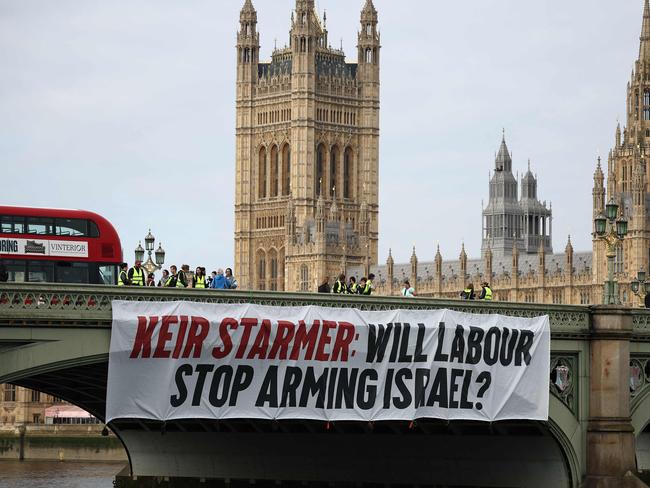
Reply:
x=610, y=435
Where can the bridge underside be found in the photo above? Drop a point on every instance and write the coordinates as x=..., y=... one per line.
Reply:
x=426, y=453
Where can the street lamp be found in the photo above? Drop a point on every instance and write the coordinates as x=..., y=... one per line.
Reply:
x=612, y=231
x=150, y=245
x=640, y=286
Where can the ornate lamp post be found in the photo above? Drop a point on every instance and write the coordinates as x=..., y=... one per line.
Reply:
x=150, y=244
x=640, y=286
x=612, y=230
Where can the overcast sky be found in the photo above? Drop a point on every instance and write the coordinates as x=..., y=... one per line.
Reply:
x=126, y=108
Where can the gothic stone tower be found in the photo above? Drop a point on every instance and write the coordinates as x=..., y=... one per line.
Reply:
x=307, y=153
x=510, y=222
x=627, y=174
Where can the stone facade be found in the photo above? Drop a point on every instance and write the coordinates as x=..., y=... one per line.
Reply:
x=307, y=154
x=20, y=406
x=517, y=256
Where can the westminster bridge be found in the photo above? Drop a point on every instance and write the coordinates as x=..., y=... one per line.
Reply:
x=55, y=339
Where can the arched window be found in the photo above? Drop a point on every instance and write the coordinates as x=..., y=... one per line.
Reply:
x=273, y=262
x=286, y=169
x=304, y=278
x=261, y=173
x=275, y=168
x=281, y=267
x=348, y=174
x=334, y=170
x=320, y=168
x=261, y=270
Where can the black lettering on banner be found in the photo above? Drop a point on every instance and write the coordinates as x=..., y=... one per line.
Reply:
x=438, y=394
x=421, y=383
x=347, y=385
x=396, y=336
x=419, y=357
x=243, y=379
x=491, y=346
x=203, y=370
x=474, y=345
x=269, y=391
x=464, y=393
x=453, y=386
x=314, y=387
x=405, y=400
x=220, y=380
x=508, y=346
x=178, y=399
x=388, y=387
x=290, y=385
x=404, y=357
x=378, y=337
x=364, y=388
x=443, y=358
x=526, y=339
x=331, y=387
x=458, y=345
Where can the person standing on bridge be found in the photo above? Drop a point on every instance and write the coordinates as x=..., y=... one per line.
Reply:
x=368, y=288
x=468, y=293
x=199, y=280
x=136, y=275
x=175, y=280
x=123, y=277
x=165, y=276
x=340, y=288
x=486, y=292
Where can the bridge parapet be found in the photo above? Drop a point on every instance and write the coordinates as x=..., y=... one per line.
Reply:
x=83, y=304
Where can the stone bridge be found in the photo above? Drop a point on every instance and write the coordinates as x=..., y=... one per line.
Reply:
x=55, y=339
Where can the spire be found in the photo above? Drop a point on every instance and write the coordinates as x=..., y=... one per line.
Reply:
x=390, y=261
x=503, y=160
x=414, y=256
x=644, y=51
x=369, y=7
x=569, y=246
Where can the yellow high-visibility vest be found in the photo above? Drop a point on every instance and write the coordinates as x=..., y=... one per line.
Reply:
x=122, y=278
x=200, y=282
x=138, y=277
x=488, y=294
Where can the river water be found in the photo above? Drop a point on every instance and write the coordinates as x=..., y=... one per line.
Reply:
x=42, y=474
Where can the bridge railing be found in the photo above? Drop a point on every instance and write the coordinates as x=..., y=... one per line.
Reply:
x=90, y=304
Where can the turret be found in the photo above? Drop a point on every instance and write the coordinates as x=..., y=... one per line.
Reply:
x=414, y=269
x=598, y=191
x=569, y=257
x=488, y=264
x=463, y=264
x=248, y=44
x=390, y=270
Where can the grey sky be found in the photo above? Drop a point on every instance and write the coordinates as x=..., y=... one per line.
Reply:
x=126, y=108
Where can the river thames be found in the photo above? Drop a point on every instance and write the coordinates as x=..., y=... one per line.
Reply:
x=45, y=474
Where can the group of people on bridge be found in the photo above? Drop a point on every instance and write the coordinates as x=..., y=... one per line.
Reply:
x=175, y=278
x=485, y=295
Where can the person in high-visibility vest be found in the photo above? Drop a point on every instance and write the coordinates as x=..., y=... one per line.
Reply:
x=199, y=280
x=353, y=288
x=173, y=280
x=123, y=277
x=486, y=292
x=340, y=287
x=136, y=275
x=468, y=293
x=367, y=289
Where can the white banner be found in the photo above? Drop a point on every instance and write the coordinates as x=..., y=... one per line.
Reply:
x=44, y=247
x=180, y=360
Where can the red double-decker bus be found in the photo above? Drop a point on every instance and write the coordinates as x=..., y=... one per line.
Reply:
x=58, y=246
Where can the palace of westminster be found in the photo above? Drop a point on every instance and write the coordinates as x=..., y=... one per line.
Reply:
x=307, y=203
x=307, y=182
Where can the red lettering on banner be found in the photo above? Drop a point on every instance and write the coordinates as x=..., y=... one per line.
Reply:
x=261, y=344
x=305, y=339
x=164, y=336
x=325, y=339
x=180, y=338
x=282, y=340
x=247, y=324
x=221, y=352
x=344, y=337
x=142, y=342
x=198, y=332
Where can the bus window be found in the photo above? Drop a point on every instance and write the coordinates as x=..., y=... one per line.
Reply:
x=108, y=274
x=40, y=272
x=93, y=230
x=16, y=270
x=40, y=225
x=71, y=227
x=71, y=272
x=12, y=225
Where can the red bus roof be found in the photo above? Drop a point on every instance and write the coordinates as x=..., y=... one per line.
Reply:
x=107, y=232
